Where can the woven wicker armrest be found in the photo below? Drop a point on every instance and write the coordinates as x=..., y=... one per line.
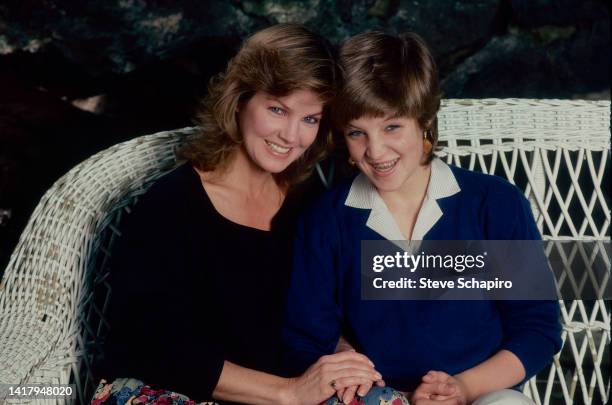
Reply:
x=53, y=293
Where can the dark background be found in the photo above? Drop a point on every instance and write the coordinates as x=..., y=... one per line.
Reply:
x=79, y=76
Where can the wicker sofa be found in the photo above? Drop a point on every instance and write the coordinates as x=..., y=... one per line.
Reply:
x=54, y=292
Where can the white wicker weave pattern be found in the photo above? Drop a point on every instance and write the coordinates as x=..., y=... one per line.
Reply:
x=53, y=294
x=558, y=151
x=47, y=313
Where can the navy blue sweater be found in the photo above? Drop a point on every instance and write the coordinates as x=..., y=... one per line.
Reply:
x=405, y=339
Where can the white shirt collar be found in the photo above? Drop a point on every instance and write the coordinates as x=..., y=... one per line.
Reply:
x=363, y=195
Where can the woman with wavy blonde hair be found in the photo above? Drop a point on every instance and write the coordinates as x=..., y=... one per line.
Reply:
x=201, y=271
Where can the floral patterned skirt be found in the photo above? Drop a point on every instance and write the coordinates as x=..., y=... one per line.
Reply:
x=376, y=396
x=129, y=391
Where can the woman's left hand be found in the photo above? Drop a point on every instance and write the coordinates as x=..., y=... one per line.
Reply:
x=346, y=395
x=328, y=375
x=438, y=387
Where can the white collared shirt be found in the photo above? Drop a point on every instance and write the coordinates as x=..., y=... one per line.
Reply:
x=363, y=195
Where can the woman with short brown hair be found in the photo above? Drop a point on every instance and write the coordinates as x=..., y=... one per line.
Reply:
x=383, y=73
x=443, y=352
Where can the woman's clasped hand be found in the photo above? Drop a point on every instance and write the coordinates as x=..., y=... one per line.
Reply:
x=333, y=375
x=437, y=387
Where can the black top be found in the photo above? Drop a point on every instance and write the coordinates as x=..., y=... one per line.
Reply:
x=191, y=289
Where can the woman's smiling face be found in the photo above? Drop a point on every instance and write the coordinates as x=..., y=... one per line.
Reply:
x=388, y=150
x=278, y=130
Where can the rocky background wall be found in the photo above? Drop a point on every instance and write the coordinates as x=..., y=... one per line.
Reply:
x=78, y=76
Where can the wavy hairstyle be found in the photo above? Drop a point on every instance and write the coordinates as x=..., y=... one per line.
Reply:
x=383, y=73
x=276, y=60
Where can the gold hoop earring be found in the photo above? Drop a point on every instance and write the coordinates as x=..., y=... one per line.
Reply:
x=427, y=145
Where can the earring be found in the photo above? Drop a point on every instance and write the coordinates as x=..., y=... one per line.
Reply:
x=427, y=145
x=351, y=162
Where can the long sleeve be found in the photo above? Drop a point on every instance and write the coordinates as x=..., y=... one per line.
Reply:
x=531, y=329
x=313, y=316
x=158, y=334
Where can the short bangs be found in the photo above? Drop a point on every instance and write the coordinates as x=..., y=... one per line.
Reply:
x=384, y=74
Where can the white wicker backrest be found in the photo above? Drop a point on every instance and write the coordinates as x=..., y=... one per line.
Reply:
x=558, y=152
x=53, y=295
x=549, y=142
